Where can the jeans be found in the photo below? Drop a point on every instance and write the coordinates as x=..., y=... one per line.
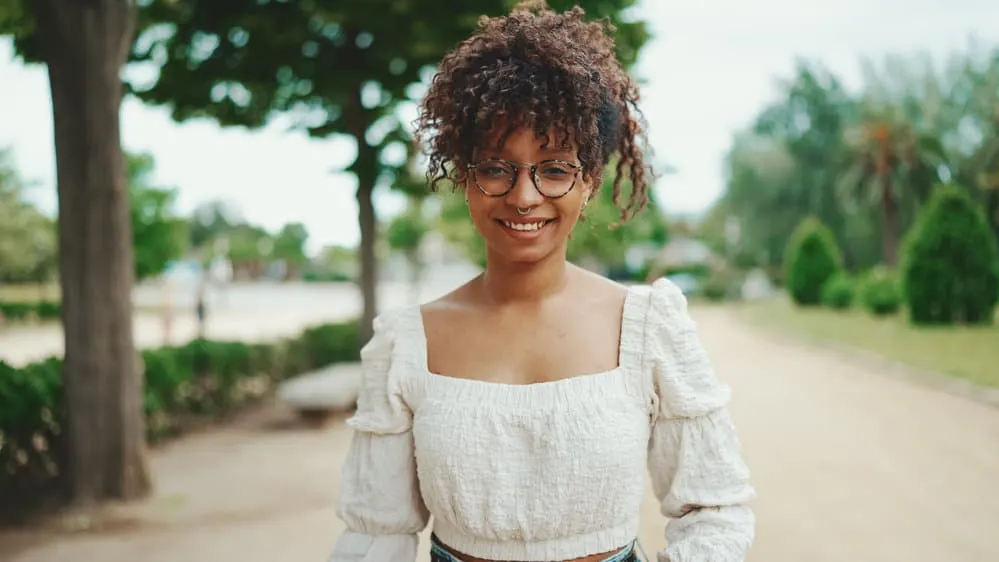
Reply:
x=439, y=554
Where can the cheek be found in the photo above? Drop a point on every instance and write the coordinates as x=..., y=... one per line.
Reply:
x=479, y=211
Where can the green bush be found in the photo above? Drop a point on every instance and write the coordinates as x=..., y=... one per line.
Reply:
x=839, y=291
x=810, y=259
x=950, y=269
x=185, y=386
x=27, y=311
x=880, y=292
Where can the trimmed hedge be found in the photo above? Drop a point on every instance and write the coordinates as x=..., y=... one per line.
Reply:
x=811, y=258
x=880, y=292
x=185, y=386
x=950, y=269
x=839, y=292
x=27, y=311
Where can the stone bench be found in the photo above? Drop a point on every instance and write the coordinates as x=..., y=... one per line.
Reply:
x=317, y=395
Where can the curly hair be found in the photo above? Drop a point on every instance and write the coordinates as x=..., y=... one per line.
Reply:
x=542, y=69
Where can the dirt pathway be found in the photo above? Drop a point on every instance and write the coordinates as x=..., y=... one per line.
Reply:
x=848, y=464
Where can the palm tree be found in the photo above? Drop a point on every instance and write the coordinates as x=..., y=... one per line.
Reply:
x=889, y=163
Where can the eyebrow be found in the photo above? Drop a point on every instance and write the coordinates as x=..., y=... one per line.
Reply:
x=548, y=151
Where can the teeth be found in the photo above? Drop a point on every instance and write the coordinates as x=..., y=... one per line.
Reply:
x=524, y=226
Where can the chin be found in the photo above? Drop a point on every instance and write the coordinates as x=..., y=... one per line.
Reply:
x=523, y=255
x=524, y=250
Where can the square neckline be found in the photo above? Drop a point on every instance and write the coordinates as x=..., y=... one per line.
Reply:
x=630, y=323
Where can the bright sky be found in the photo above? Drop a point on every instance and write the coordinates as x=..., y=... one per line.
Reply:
x=709, y=69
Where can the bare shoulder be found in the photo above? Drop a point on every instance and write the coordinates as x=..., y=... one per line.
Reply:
x=455, y=302
x=598, y=289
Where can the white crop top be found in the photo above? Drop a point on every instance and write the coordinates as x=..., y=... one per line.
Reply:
x=548, y=471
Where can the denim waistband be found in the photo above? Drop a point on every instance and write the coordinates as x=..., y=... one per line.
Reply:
x=439, y=554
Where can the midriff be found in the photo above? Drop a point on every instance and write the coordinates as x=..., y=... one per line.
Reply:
x=589, y=558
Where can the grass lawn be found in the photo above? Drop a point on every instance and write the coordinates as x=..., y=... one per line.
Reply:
x=968, y=353
x=28, y=292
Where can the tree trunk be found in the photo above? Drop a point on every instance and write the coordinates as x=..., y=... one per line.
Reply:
x=367, y=173
x=365, y=168
x=85, y=45
x=889, y=228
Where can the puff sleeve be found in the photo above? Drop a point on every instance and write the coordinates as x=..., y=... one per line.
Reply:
x=379, y=497
x=695, y=462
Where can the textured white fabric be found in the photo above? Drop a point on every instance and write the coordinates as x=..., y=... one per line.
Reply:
x=549, y=471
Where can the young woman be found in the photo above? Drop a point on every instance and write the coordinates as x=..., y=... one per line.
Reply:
x=522, y=409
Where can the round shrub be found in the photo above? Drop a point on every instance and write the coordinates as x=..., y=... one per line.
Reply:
x=811, y=258
x=839, y=291
x=950, y=269
x=880, y=292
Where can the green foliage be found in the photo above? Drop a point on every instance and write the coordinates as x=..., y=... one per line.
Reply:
x=210, y=222
x=159, y=236
x=27, y=237
x=839, y=292
x=456, y=226
x=951, y=265
x=863, y=163
x=332, y=67
x=289, y=244
x=28, y=311
x=248, y=243
x=880, y=292
x=601, y=235
x=185, y=386
x=812, y=258
x=406, y=231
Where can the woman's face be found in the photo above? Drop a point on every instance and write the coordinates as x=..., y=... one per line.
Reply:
x=544, y=223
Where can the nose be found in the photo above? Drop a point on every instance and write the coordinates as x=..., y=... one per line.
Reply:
x=524, y=194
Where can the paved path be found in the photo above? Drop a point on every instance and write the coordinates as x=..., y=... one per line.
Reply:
x=849, y=465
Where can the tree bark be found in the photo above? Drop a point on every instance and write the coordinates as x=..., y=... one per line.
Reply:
x=85, y=45
x=365, y=168
x=367, y=174
x=889, y=228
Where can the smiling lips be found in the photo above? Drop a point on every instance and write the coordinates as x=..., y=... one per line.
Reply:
x=524, y=227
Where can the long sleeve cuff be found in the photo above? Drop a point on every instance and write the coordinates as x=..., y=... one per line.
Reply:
x=359, y=547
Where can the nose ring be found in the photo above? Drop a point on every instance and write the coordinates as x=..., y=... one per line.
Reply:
x=523, y=212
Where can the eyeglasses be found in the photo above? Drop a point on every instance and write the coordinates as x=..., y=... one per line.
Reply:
x=552, y=178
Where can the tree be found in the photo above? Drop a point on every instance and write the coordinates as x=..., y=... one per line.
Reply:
x=405, y=233
x=601, y=237
x=813, y=258
x=332, y=67
x=210, y=222
x=951, y=269
x=158, y=235
x=248, y=248
x=289, y=247
x=27, y=237
x=84, y=46
x=890, y=158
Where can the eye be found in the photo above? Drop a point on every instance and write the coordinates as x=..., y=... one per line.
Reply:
x=555, y=170
x=492, y=170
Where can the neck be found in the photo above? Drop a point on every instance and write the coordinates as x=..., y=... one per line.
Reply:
x=504, y=282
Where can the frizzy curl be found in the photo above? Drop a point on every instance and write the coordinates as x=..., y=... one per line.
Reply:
x=551, y=71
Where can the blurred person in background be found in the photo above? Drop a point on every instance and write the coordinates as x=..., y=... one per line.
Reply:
x=522, y=409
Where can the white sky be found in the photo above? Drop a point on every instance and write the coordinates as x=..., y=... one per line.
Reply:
x=710, y=67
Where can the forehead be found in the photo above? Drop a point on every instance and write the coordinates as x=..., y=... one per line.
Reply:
x=523, y=139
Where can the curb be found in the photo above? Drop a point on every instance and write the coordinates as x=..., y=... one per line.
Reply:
x=889, y=367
